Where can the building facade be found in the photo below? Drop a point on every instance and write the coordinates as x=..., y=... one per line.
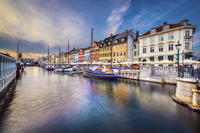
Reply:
x=105, y=49
x=95, y=51
x=87, y=55
x=76, y=53
x=158, y=44
x=81, y=55
x=122, y=46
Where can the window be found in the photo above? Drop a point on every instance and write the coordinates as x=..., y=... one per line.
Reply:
x=120, y=46
x=152, y=49
x=134, y=46
x=124, y=45
x=122, y=40
x=166, y=27
x=134, y=53
x=171, y=47
x=161, y=38
x=153, y=31
x=116, y=41
x=187, y=33
x=171, y=36
x=187, y=45
x=160, y=48
x=151, y=58
x=117, y=47
x=144, y=50
x=160, y=58
x=121, y=54
x=151, y=39
x=124, y=60
x=117, y=54
x=114, y=54
x=124, y=53
x=170, y=57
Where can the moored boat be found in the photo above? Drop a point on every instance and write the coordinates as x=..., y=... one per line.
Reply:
x=96, y=72
x=49, y=67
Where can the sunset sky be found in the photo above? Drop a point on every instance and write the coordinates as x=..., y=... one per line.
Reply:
x=36, y=23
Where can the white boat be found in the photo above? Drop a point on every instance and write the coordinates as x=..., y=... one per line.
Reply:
x=69, y=69
x=58, y=70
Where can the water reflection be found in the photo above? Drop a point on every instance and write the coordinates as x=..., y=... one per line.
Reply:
x=54, y=102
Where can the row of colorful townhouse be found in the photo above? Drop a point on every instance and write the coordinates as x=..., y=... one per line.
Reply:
x=156, y=45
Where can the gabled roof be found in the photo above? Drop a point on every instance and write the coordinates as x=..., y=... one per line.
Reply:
x=171, y=26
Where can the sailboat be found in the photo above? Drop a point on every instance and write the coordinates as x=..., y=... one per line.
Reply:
x=49, y=67
x=68, y=68
x=100, y=72
x=59, y=67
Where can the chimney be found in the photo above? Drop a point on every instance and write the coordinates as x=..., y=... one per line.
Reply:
x=165, y=23
x=111, y=34
x=137, y=33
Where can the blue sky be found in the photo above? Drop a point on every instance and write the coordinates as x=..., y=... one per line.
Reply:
x=36, y=23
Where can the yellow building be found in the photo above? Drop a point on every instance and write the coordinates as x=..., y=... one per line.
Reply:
x=120, y=45
x=105, y=49
x=119, y=52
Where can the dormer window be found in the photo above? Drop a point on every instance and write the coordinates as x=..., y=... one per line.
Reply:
x=116, y=41
x=122, y=40
x=166, y=27
x=108, y=43
x=153, y=31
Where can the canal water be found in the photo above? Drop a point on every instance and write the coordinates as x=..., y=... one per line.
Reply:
x=49, y=102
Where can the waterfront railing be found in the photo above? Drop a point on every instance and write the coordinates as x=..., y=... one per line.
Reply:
x=7, y=70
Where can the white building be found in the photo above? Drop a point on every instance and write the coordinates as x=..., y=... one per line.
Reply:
x=158, y=44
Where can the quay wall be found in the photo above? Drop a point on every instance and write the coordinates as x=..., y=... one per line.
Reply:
x=187, y=93
x=151, y=74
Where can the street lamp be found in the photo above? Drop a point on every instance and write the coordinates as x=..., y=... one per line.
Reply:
x=183, y=57
x=178, y=47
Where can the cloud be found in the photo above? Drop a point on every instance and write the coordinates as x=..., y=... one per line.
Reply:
x=29, y=21
x=115, y=19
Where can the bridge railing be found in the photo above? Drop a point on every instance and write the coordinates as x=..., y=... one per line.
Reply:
x=7, y=70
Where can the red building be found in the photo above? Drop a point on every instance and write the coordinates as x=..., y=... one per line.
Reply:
x=81, y=55
x=95, y=51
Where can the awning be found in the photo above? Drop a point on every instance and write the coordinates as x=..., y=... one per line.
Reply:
x=151, y=58
x=188, y=56
x=171, y=57
x=144, y=60
x=160, y=57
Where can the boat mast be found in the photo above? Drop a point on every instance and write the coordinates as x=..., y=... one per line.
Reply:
x=48, y=54
x=92, y=30
x=59, y=56
x=68, y=51
x=111, y=51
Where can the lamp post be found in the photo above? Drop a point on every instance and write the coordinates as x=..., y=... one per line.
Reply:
x=178, y=47
x=183, y=57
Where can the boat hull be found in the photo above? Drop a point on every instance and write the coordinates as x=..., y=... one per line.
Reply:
x=100, y=75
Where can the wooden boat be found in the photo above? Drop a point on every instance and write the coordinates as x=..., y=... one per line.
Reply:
x=108, y=75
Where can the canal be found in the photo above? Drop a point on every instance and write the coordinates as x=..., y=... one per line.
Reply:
x=48, y=102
